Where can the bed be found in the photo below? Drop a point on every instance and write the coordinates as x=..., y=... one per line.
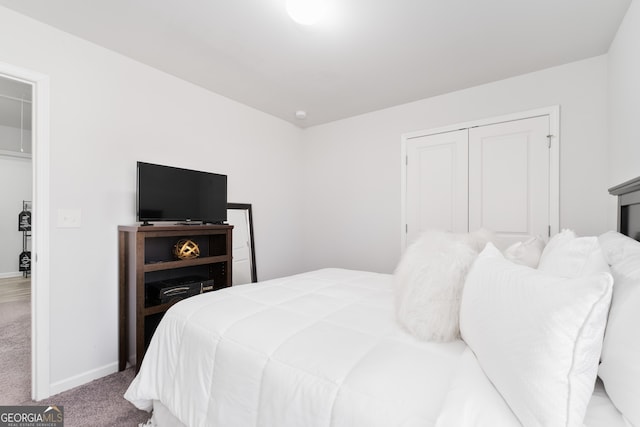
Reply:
x=325, y=348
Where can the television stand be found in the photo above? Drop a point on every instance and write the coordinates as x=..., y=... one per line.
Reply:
x=145, y=257
x=190, y=223
x=146, y=224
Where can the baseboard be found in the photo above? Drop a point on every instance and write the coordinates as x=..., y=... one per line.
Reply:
x=84, y=378
x=10, y=274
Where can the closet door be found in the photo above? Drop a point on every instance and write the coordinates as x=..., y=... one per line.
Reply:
x=509, y=178
x=437, y=177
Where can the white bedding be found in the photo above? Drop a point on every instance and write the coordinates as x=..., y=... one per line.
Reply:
x=317, y=349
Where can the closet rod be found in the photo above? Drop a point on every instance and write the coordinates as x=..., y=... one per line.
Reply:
x=15, y=99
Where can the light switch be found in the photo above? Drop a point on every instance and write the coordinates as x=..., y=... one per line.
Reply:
x=69, y=218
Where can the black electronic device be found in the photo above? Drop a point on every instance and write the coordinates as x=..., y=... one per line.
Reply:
x=173, y=290
x=166, y=193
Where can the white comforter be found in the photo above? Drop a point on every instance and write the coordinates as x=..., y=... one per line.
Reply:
x=316, y=349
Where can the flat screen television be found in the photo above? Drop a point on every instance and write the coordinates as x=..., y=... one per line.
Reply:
x=166, y=193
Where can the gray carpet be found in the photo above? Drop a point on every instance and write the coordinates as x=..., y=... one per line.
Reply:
x=15, y=352
x=98, y=403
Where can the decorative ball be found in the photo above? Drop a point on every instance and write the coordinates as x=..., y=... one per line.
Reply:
x=186, y=249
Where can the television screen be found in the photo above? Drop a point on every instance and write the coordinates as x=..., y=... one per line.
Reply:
x=167, y=193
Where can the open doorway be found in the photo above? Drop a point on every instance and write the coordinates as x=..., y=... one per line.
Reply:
x=39, y=277
x=16, y=185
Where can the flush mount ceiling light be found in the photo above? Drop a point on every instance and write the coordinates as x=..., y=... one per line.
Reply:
x=306, y=12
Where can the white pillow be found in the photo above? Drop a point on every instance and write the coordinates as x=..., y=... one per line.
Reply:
x=615, y=246
x=472, y=400
x=620, y=367
x=536, y=336
x=429, y=280
x=526, y=253
x=569, y=256
x=564, y=236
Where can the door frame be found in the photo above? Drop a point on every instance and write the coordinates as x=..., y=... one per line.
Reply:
x=554, y=160
x=40, y=166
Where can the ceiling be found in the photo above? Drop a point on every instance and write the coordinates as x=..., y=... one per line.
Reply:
x=364, y=56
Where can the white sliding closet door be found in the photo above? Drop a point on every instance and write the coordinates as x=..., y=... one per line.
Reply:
x=509, y=178
x=436, y=192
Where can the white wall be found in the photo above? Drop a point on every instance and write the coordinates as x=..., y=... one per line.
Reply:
x=624, y=100
x=352, y=166
x=107, y=112
x=15, y=186
x=10, y=139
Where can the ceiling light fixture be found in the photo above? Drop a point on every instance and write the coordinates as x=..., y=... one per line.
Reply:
x=306, y=12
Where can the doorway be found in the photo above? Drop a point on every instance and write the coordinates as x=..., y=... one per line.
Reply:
x=39, y=244
x=16, y=172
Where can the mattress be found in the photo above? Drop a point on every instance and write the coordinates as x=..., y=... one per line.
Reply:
x=316, y=349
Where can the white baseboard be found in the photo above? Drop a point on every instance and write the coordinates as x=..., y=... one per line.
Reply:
x=84, y=378
x=10, y=274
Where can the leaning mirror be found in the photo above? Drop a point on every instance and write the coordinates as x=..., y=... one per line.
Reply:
x=244, y=257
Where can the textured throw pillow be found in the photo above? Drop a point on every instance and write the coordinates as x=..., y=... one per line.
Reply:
x=429, y=280
x=620, y=367
x=569, y=256
x=536, y=336
x=526, y=253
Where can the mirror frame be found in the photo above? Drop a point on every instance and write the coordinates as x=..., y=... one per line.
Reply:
x=247, y=207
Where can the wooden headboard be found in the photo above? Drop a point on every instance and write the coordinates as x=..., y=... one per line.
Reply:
x=628, y=207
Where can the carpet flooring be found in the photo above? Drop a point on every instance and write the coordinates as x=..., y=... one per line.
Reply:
x=98, y=403
x=15, y=351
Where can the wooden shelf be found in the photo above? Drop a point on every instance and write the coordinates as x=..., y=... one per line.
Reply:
x=155, y=309
x=146, y=256
x=183, y=263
